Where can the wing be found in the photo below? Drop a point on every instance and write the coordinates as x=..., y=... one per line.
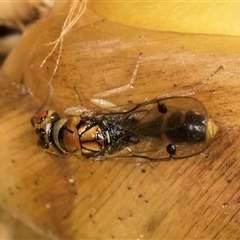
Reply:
x=159, y=124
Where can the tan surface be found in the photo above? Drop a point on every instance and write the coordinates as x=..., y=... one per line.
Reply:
x=192, y=198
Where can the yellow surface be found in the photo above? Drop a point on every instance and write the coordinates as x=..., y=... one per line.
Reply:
x=208, y=17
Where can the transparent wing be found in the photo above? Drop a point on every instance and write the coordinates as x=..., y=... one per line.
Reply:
x=179, y=122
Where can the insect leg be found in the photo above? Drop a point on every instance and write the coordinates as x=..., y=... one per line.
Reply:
x=97, y=98
x=76, y=110
x=192, y=91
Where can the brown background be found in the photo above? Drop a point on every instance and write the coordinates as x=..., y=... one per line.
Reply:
x=69, y=198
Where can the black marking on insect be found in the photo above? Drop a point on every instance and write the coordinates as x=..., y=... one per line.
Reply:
x=171, y=149
x=162, y=108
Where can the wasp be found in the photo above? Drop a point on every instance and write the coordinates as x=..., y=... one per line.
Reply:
x=156, y=130
x=165, y=128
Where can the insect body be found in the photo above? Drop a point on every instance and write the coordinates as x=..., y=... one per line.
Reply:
x=156, y=130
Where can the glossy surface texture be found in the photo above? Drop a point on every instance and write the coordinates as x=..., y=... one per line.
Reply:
x=142, y=131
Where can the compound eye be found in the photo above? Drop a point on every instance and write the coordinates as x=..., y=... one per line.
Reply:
x=41, y=116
